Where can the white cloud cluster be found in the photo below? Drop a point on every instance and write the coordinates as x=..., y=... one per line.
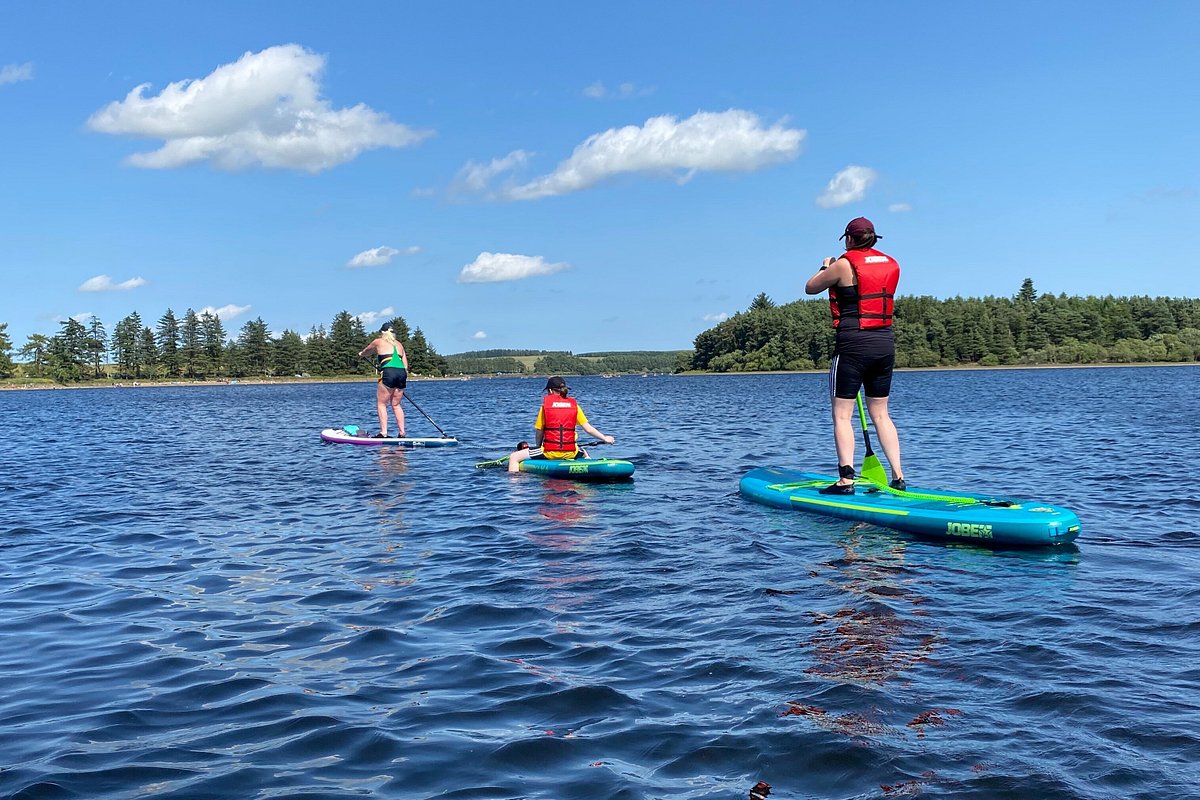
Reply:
x=726, y=141
x=264, y=109
x=899, y=208
x=718, y=317
x=496, y=267
x=103, y=283
x=369, y=318
x=479, y=335
x=226, y=312
x=15, y=73
x=848, y=186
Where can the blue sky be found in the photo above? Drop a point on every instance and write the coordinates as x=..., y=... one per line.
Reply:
x=581, y=176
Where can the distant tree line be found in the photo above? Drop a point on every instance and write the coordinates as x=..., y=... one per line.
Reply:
x=565, y=363
x=497, y=353
x=1025, y=329
x=197, y=346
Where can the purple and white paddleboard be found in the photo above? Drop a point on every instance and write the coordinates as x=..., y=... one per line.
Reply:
x=359, y=437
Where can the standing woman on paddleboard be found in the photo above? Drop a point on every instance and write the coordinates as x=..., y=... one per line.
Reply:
x=555, y=427
x=862, y=288
x=392, y=363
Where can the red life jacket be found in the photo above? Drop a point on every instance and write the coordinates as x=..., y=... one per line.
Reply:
x=869, y=304
x=558, y=423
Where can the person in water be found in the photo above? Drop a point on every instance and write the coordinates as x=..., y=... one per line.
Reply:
x=862, y=288
x=392, y=364
x=555, y=427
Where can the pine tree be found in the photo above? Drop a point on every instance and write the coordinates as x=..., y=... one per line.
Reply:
x=35, y=353
x=255, y=343
x=7, y=367
x=761, y=302
x=168, y=344
x=97, y=344
x=288, y=354
x=212, y=341
x=191, y=349
x=148, y=353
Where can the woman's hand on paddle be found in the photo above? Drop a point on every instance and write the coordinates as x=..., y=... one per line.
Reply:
x=608, y=439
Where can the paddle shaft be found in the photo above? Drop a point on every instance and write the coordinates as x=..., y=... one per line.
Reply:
x=862, y=415
x=431, y=422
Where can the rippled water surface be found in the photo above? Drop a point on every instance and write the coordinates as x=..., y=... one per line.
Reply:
x=200, y=599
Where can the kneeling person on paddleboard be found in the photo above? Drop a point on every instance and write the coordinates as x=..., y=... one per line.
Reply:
x=555, y=427
x=862, y=288
x=392, y=363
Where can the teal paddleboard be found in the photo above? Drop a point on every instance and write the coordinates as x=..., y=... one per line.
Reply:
x=580, y=469
x=957, y=516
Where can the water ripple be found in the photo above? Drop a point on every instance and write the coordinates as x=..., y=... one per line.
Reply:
x=219, y=605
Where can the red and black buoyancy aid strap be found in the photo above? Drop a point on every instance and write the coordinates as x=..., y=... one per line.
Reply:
x=558, y=423
x=874, y=300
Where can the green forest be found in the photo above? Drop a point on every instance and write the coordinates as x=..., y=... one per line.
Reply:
x=1026, y=329
x=197, y=347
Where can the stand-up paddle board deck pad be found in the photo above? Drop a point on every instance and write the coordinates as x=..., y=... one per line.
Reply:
x=342, y=436
x=956, y=516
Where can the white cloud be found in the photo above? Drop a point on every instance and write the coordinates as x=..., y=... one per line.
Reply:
x=899, y=208
x=103, y=283
x=718, y=317
x=474, y=178
x=369, y=318
x=14, y=73
x=495, y=267
x=264, y=109
x=726, y=141
x=598, y=91
x=379, y=256
x=83, y=317
x=848, y=186
x=479, y=335
x=226, y=312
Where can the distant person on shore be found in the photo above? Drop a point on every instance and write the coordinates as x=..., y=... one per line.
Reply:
x=392, y=363
x=555, y=427
x=862, y=287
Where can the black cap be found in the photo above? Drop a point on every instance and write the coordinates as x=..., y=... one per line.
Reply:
x=555, y=383
x=387, y=326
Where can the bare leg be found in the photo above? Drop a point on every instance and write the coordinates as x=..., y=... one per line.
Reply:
x=843, y=433
x=398, y=410
x=515, y=458
x=381, y=399
x=885, y=429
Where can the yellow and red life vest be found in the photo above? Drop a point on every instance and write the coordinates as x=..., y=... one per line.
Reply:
x=558, y=423
x=871, y=302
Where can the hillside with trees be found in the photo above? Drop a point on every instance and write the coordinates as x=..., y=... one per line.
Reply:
x=198, y=347
x=542, y=362
x=1026, y=329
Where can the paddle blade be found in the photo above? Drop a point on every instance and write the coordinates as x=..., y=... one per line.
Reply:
x=873, y=470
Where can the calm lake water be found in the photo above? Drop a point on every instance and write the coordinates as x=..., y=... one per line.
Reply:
x=200, y=599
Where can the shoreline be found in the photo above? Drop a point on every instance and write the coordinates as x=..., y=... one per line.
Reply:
x=47, y=386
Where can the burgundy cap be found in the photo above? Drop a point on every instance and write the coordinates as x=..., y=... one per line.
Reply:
x=858, y=226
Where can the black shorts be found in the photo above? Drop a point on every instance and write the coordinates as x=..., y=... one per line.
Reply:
x=393, y=377
x=862, y=359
